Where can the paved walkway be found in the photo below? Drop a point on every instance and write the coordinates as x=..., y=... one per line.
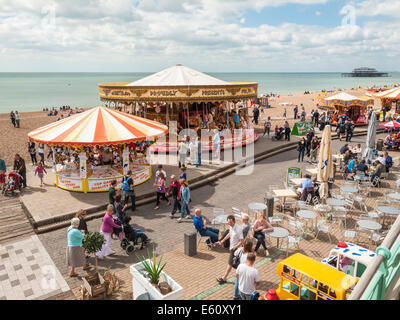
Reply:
x=28, y=272
x=50, y=204
x=167, y=235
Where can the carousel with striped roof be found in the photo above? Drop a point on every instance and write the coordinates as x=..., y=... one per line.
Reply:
x=93, y=148
x=193, y=99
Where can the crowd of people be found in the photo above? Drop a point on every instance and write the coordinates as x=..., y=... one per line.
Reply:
x=242, y=255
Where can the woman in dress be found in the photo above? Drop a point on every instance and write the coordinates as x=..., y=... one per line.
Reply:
x=107, y=229
x=75, y=252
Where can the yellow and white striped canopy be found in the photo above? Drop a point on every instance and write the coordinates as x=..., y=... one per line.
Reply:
x=98, y=126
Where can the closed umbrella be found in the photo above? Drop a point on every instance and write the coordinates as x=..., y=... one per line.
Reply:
x=371, y=137
x=325, y=164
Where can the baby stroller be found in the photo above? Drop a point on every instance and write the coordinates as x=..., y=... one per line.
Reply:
x=279, y=134
x=14, y=183
x=130, y=240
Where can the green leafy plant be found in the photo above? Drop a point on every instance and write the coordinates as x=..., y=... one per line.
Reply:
x=93, y=242
x=151, y=268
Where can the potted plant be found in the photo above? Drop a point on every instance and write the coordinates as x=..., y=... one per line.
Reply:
x=146, y=284
x=94, y=284
x=93, y=242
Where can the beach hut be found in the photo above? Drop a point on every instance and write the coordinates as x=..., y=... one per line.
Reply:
x=193, y=99
x=355, y=108
x=92, y=136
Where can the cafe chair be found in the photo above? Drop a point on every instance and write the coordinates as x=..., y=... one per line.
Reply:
x=324, y=228
x=216, y=213
x=377, y=238
x=350, y=235
x=294, y=240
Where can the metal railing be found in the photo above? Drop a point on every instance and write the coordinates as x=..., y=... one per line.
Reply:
x=382, y=273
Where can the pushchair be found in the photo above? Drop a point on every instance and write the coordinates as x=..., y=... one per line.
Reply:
x=129, y=241
x=14, y=183
x=279, y=134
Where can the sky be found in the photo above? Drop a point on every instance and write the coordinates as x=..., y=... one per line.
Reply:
x=207, y=35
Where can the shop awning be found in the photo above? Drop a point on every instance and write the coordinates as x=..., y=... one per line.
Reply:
x=98, y=126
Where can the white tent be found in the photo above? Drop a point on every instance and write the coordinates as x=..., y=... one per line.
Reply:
x=343, y=96
x=178, y=75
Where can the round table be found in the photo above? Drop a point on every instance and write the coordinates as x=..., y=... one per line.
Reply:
x=306, y=214
x=388, y=210
x=222, y=219
x=278, y=233
x=347, y=189
x=336, y=202
x=323, y=208
x=361, y=178
x=257, y=206
x=369, y=225
x=395, y=196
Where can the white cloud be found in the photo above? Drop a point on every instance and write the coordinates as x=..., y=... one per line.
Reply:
x=146, y=35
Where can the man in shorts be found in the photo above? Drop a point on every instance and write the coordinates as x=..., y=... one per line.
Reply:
x=236, y=240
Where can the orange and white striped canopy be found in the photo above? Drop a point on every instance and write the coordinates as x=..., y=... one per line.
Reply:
x=393, y=93
x=98, y=126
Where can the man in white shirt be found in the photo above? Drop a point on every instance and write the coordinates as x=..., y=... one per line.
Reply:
x=248, y=277
x=236, y=240
x=382, y=159
x=182, y=150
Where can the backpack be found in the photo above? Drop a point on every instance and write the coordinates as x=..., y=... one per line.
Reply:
x=125, y=185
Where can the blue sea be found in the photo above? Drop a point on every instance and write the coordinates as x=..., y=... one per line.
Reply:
x=35, y=91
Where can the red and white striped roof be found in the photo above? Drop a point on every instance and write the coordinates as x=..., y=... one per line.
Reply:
x=98, y=126
x=393, y=93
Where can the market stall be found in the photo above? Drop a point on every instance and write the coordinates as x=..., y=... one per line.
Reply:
x=95, y=147
x=390, y=100
x=355, y=108
x=193, y=99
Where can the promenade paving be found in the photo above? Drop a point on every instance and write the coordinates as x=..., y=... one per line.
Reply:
x=27, y=271
x=167, y=234
x=50, y=204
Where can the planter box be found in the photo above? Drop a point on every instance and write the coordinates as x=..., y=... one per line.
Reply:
x=144, y=290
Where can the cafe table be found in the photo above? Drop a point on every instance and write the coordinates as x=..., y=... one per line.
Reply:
x=387, y=210
x=296, y=181
x=395, y=196
x=369, y=225
x=307, y=215
x=313, y=171
x=348, y=189
x=285, y=193
x=278, y=233
x=257, y=207
x=336, y=202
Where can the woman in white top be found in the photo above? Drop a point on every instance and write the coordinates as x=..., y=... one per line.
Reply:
x=243, y=252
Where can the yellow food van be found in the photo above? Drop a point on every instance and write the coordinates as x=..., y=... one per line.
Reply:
x=303, y=278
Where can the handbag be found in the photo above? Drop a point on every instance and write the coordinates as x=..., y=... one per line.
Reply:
x=236, y=257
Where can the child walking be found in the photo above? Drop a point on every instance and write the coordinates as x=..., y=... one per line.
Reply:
x=40, y=170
